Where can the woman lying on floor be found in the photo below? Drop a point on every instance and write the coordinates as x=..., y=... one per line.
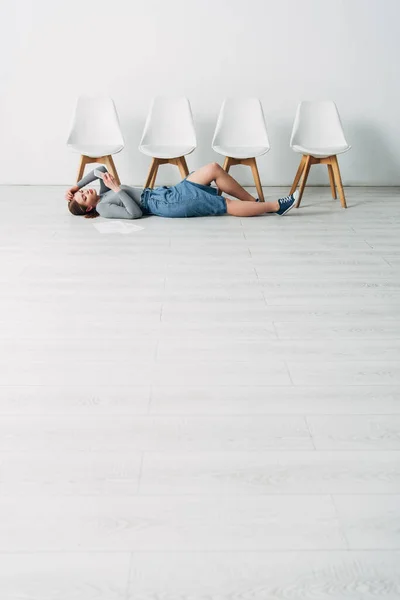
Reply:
x=192, y=197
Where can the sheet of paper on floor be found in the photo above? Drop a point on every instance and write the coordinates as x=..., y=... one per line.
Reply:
x=116, y=227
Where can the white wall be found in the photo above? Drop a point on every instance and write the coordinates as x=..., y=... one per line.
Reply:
x=282, y=51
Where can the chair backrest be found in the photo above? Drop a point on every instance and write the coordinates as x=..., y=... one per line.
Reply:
x=241, y=123
x=169, y=121
x=95, y=121
x=317, y=124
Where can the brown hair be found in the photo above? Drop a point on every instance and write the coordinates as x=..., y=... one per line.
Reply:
x=76, y=209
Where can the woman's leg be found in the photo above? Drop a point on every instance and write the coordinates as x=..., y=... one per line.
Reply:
x=247, y=209
x=226, y=183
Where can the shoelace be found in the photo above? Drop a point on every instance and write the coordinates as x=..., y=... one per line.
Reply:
x=285, y=199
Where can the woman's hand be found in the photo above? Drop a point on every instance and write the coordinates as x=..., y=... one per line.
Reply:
x=110, y=182
x=69, y=194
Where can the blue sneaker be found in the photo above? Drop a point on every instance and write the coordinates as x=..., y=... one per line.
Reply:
x=287, y=203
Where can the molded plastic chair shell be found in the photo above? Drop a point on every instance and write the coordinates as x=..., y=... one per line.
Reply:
x=169, y=130
x=95, y=129
x=317, y=130
x=241, y=131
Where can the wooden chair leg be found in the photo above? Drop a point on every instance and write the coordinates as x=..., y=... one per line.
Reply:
x=298, y=174
x=181, y=162
x=256, y=177
x=226, y=166
x=151, y=174
x=154, y=177
x=332, y=181
x=185, y=166
x=306, y=170
x=84, y=161
x=108, y=161
x=338, y=180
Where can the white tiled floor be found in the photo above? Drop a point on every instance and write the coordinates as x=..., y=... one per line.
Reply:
x=207, y=409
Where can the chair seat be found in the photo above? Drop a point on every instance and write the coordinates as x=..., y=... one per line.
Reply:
x=321, y=152
x=95, y=151
x=158, y=151
x=241, y=151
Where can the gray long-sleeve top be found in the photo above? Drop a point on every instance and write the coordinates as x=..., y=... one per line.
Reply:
x=124, y=204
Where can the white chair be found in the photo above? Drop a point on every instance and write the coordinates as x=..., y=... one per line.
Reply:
x=318, y=135
x=241, y=135
x=96, y=133
x=168, y=135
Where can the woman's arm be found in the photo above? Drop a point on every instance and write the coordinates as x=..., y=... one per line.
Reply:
x=130, y=210
x=103, y=187
x=85, y=180
x=109, y=209
x=91, y=177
